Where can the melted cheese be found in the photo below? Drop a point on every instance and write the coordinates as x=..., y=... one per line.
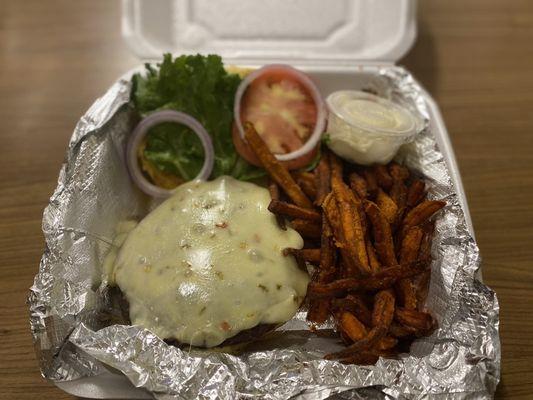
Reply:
x=207, y=264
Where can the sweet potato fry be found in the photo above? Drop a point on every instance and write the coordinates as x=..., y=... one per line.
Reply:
x=351, y=326
x=355, y=201
x=322, y=179
x=275, y=169
x=415, y=193
x=327, y=248
x=422, y=212
x=387, y=343
x=336, y=168
x=300, y=261
x=370, y=356
x=318, y=311
x=358, y=185
x=304, y=176
x=373, y=336
x=398, y=194
x=308, y=188
x=355, y=240
x=383, y=178
x=341, y=287
x=330, y=210
x=421, y=282
x=406, y=293
x=383, y=279
x=346, y=340
x=371, y=182
x=388, y=207
x=306, y=180
x=273, y=189
x=365, y=357
x=398, y=172
x=425, y=245
x=305, y=228
x=354, y=305
x=332, y=214
x=382, y=234
x=353, y=233
x=398, y=191
x=400, y=331
x=327, y=253
x=358, y=205
x=310, y=255
x=372, y=257
x=411, y=245
x=409, y=253
x=383, y=311
x=282, y=208
x=421, y=321
x=319, y=308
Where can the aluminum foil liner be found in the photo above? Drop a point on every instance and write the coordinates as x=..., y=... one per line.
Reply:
x=72, y=315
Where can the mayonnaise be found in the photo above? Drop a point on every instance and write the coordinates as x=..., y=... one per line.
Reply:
x=208, y=263
x=368, y=129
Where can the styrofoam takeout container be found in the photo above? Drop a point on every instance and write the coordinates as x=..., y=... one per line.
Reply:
x=340, y=43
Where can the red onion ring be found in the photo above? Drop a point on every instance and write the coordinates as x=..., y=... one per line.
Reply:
x=313, y=91
x=140, y=132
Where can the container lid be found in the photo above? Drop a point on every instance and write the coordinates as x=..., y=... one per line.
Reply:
x=298, y=32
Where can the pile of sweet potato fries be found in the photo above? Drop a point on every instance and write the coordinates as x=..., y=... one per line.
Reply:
x=368, y=232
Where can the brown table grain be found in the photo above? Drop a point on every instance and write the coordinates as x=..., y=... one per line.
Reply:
x=474, y=56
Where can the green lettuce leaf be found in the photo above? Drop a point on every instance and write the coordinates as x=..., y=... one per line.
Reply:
x=200, y=86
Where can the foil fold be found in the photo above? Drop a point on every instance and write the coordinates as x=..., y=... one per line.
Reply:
x=72, y=316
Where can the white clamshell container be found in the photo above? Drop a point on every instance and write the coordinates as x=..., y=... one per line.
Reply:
x=340, y=43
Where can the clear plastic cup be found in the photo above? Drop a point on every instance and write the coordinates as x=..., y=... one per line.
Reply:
x=367, y=129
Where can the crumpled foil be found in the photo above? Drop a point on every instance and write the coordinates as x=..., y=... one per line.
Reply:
x=75, y=337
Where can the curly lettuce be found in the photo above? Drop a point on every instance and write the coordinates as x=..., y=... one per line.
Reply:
x=200, y=86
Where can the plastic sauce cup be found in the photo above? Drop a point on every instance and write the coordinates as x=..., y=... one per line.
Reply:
x=367, y=129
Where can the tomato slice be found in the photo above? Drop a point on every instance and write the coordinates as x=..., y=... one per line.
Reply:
x=283, y=112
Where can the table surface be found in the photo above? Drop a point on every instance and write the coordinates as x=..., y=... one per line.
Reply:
x=474, y=56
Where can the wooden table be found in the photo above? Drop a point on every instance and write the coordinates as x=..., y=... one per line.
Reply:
x=474, y=56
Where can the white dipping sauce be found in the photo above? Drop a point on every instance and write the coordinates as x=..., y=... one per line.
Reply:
x=207, y=264
x=368, y=129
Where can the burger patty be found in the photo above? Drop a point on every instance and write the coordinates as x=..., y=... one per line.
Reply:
x=246, y=336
